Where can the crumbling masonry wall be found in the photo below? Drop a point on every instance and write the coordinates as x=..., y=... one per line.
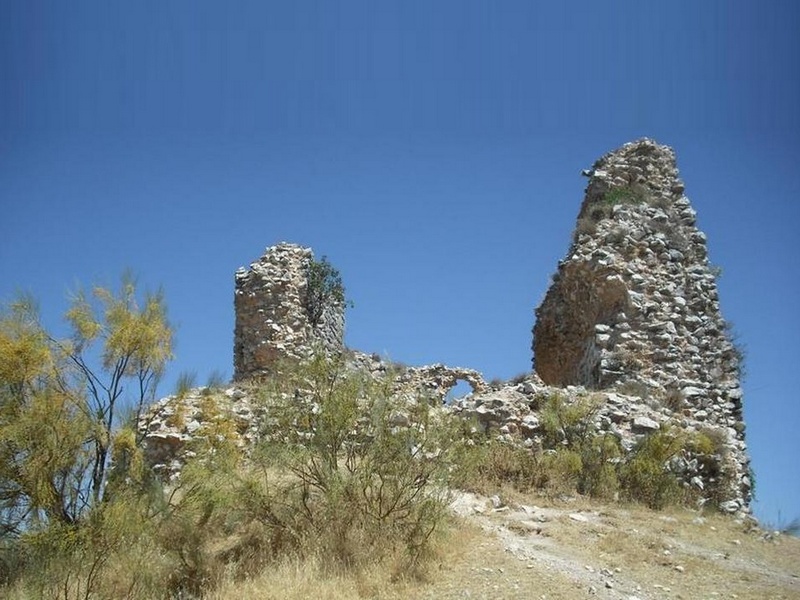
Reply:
x=634, y=305
x=632, y=320
x=272, y=317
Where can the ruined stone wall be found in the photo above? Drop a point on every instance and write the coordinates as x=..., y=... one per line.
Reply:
x=272, y=319
x=634, y=305
x=632, y=320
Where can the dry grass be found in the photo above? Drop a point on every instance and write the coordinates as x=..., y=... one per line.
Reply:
x=681, y=554
x=677, y=554
x=312, y=578
x=303, y=580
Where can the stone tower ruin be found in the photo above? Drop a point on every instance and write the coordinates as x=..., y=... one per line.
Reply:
x=274, y=318
x=631, y=321
x=634, y=305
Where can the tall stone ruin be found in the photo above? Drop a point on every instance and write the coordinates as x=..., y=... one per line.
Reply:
x=634, y=305
x=631, y=320
x=273, y=318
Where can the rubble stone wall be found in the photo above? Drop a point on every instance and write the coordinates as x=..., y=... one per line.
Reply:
x=272, y=321
x=634, y=305
x=632, y=319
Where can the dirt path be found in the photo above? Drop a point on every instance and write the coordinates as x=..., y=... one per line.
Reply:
x=616, y=553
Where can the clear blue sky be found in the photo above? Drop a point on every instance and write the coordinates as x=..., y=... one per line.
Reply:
x=431, y=149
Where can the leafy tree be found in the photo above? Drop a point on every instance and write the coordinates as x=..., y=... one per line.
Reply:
x=42, y=428
x=325, y=288
x=61, y=400
x=135, y=346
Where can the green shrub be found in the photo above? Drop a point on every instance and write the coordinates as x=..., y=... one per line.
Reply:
x=486, y=467
x=568, y=424
x=633, y=194
x=325, y=288
x=645, y=475
x=560, y=471
x=599, y=459
x=196, y=514
x=707, y=441
x=367, y=472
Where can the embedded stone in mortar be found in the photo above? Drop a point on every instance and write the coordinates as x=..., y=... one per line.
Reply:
x=272, y=319
x=635, y=299
x=634, y=306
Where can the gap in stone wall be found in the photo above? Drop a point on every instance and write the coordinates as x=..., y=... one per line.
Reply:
x=459, y=390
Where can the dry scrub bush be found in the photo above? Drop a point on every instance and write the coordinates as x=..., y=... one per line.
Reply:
x=645, y=476
x=575, y=457
x=486, y=467
x=363, y=473
x=345, y=476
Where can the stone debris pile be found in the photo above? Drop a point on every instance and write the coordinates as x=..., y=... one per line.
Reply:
x=174, y=424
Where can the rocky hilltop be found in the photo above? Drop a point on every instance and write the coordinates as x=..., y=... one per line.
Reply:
x=631, y=320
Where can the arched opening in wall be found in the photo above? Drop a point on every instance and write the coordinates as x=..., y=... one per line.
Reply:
x=459, y=390
x=568, y=345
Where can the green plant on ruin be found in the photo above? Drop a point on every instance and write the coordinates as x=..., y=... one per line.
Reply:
x=602, y=207
x=673, y=399
x=180, y=410
x=707, y=441
x=645, y=476
x=496, y=383
x=752, y=475
x=218, y=430
x=365, y=471
x=737, y=351
x=184, y=384
x=325, y=289
x=519, y=378
x=215, y=382
x=485, y=467
x=632, y=387
x=632, y=194
x=568, y=424
x=587, y=225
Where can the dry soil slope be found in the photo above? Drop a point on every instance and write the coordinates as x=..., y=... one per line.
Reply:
x=585, y=550
x=535, y=549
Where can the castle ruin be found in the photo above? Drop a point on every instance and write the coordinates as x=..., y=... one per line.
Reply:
x=632, y=317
